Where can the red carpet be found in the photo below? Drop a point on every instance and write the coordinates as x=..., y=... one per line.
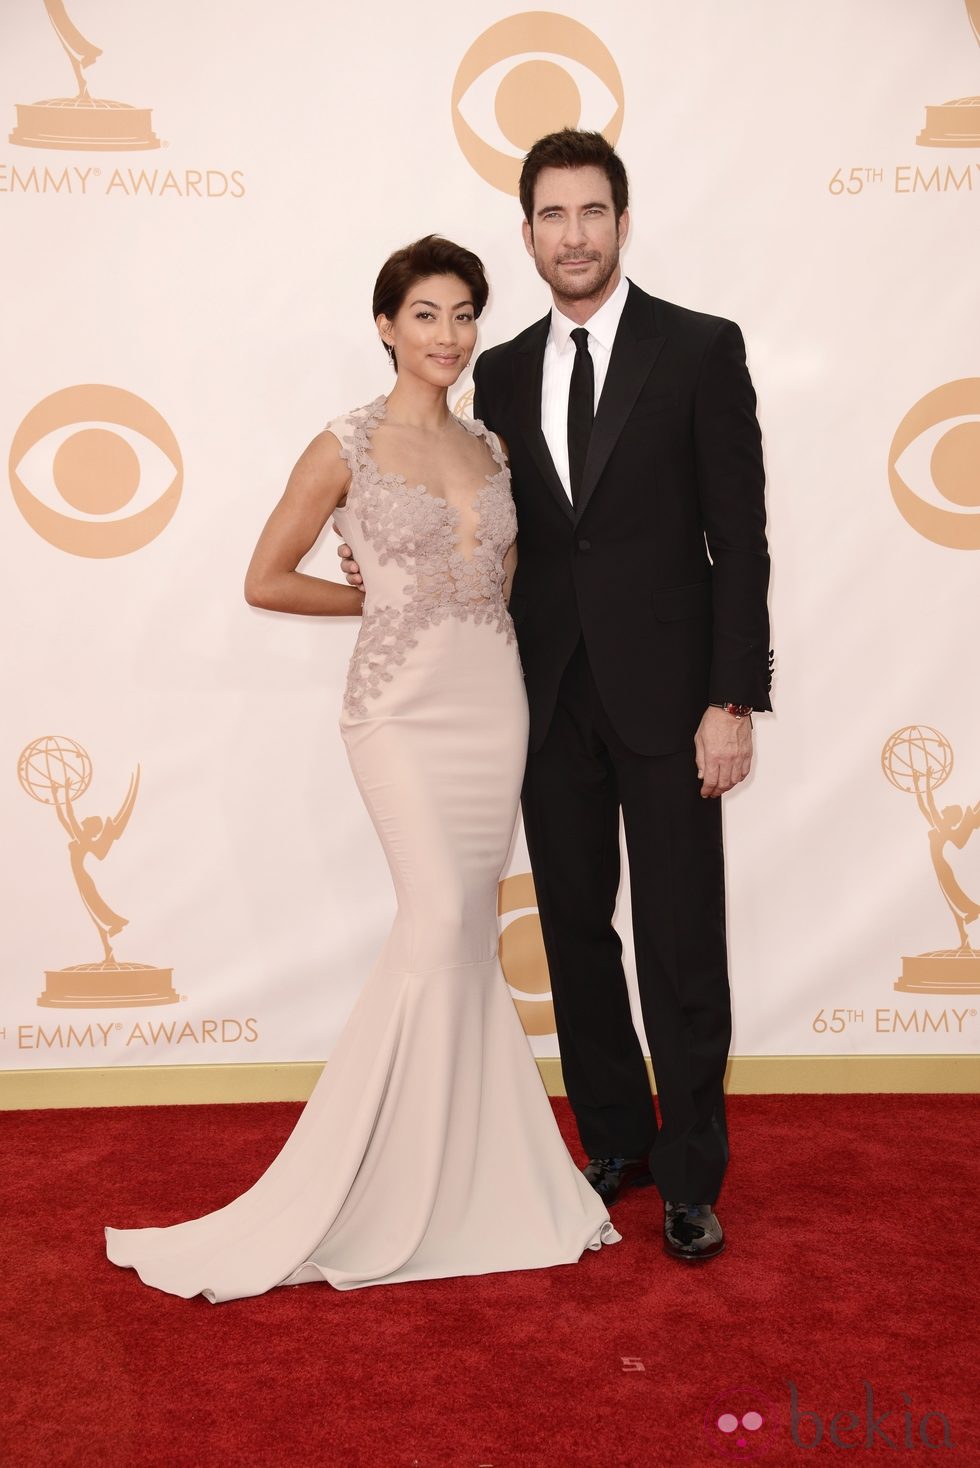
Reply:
x=853, y=1258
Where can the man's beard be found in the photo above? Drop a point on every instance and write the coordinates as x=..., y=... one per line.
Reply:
x=578, y=288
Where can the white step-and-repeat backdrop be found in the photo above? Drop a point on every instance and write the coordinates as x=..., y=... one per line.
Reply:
x=194, y=202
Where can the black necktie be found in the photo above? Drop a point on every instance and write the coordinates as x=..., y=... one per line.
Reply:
x=581, y=409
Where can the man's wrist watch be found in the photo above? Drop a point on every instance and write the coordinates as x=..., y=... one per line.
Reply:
x=737, y=710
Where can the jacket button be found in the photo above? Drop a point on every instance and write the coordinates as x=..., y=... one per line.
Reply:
x=585, y=545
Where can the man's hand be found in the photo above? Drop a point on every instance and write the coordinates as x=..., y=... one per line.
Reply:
x=723, y=750
x=349, y=566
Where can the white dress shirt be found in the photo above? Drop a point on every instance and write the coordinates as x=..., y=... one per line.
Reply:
x=559, y=357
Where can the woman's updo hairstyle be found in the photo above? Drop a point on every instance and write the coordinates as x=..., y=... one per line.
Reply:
x=431, y=255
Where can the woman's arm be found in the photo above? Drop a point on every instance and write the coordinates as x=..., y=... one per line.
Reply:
x=315, y=488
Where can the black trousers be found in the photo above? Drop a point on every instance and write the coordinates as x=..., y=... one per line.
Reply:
x=575, y=785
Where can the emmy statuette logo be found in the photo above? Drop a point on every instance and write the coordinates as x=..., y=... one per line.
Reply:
x=567, y=78
x=955, y=124
x=522, y=955
x=918, y=760
x=83, y=122
x=463, y=406
x=56, y=772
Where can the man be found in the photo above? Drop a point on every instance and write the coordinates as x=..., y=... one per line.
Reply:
x=640, y=608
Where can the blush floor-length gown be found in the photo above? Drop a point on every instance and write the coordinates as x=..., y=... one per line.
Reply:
x=428, y=1147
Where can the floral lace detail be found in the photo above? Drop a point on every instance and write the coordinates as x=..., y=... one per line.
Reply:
x=419, y=532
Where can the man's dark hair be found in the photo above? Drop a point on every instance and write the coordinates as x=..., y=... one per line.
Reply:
x=573, y=149
x=431, y=255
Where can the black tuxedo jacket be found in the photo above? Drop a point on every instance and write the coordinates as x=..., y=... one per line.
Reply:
x=663, y=568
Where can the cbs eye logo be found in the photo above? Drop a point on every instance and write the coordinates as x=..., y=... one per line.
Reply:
x=937, y=445
x=91, y=489
x=500, y=108
x=522, y=955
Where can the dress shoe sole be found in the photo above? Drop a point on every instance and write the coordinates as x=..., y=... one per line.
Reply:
x=703, y=1258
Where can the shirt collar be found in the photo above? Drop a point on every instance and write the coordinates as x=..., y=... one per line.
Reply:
x=602, y=326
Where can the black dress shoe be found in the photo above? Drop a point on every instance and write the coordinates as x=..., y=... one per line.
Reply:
x=608, y=1175
x=692, y=1232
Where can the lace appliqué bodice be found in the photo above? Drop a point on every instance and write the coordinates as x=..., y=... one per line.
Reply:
x=420, y=533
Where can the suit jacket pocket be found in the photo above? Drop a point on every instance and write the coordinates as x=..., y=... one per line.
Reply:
x=679, y=602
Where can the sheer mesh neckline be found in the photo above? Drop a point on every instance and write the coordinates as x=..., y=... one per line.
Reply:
x=376, y=414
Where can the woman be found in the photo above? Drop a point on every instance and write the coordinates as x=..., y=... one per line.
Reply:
x=428, y=1147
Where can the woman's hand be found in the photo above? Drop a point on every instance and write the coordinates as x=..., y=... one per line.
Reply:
x=349, y=566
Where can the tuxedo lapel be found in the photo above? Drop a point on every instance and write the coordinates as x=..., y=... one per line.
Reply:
x=638, y=344
x=529, y=369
